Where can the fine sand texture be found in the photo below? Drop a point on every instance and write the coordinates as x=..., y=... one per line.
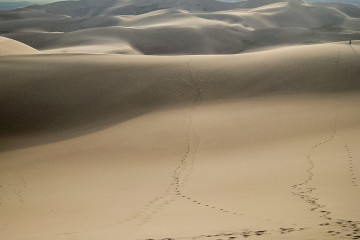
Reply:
x=12, y=47
x=261, y=145
x=178, y=27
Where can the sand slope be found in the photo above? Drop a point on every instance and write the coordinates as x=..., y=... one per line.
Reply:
x=100, y=141
x=12, y=47
x=84, y=88
x=179, y=27
x=262, y=145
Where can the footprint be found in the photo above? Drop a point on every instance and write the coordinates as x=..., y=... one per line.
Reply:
x=350, y=164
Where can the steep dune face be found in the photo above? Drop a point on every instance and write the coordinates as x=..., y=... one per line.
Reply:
x=12, y=47
x=135, y=7
x=348, y=9
x=74, y=91
x=186, y=147
x=222, y=29
x=124, y=7
x=100, y=141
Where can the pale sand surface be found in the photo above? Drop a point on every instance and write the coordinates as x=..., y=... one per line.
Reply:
x=244, y=157
x=262, y=145
x=12, y=47
x=178, y=26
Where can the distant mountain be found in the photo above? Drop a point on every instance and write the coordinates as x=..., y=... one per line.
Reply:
x=10, y=4
x=13, y=5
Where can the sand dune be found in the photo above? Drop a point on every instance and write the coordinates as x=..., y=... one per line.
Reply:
x=99, y=140
x=12, y=47
x=173, y=28
x=134, y=7
x=100, y=86
x=261, y=145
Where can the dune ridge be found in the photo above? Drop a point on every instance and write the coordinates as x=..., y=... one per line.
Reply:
x=31, y=102
x=173, y=29
x=180, y=120
x=12, y=47
x=261, y=145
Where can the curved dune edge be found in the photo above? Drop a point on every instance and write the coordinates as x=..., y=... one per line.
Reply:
x=262, y=145
x=13, y=47
x=100, y=141
x=107, y=89
x=168, y=30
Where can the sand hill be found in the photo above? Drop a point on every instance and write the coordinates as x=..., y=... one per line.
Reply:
x=57, y=103
x=99, y=140
x=148, y=147
x=178, y=27
x=12, y=47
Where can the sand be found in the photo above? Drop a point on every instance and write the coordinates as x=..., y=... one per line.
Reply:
x=180, y=120
x=181, y=27
x=262, y=145
x=12, y=47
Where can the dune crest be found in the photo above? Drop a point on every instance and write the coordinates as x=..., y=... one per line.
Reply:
x=113, y=87
x=148, y=147
x=167, y=27
x=180, y=120
x=12, y=47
